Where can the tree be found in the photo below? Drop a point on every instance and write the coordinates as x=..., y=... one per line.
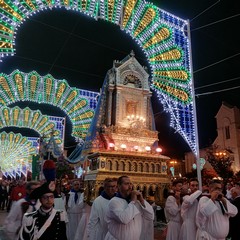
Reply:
x=221, y=161
x=63, y=168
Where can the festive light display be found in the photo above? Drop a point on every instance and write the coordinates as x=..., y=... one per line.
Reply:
x=15, y=154
x=162, y=36
x=19, y=86
x=26, y=118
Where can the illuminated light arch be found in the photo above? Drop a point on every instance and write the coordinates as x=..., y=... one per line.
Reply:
x=19, y=86
x=162, y=36
x=15, y=154
x=27, y=118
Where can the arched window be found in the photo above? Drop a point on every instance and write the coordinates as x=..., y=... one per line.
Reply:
x=117, y=166
x=146, y=167
x=135, y=168
x=153, y=167
x=129, y=166
x=122, y=166
x=110, y=165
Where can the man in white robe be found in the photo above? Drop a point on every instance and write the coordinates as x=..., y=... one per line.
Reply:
x=97, y=226
x=213, y=214
x=126, y=212
x=74, y=209
x=81, y=231
x=188, y=212
x=173, y=211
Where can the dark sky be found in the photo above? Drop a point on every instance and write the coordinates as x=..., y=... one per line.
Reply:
x=72, y=46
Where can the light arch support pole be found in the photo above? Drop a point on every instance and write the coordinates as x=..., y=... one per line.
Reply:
x=161, y=35
x=197, y=154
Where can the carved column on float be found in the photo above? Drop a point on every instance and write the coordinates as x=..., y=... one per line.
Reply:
x=109, y=115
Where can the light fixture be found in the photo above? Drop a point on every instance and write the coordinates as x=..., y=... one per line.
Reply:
x=158, y=150
x=111, y=145
x=135, y=148
x=123, y=146
x=136, y=118
x=147, y=148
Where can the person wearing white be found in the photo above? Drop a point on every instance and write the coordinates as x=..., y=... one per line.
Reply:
x=13, y=220
x=188, y=212
x=81, y=231
x=213, y=214
x=97, y=226
x=126, y=212
x=173, y=211
x=74, y=209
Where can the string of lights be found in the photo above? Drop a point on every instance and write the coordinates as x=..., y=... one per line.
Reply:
x=161, y=35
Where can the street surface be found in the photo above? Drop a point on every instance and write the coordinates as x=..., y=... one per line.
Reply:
x=158, y=230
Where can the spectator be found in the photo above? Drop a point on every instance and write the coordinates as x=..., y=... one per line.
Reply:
x=213, y=214
x=18, y=192
x=3, y=195
x=126, y=213
x=10, y=187
x=228, y=194
x=97, y=226
x=235, y=221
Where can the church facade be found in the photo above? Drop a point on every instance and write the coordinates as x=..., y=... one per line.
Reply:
x=227, y=140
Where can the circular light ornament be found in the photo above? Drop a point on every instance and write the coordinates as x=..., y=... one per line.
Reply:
x=15, y=154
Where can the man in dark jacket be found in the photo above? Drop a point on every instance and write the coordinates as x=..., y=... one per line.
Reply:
x=45, y=223
x=234, y=221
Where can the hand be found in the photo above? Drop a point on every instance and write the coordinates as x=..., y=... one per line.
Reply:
x=137, y=195
x=223, y=200
x=177, y=195
x=134, y=195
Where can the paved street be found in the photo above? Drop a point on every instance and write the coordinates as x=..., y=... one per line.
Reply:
x=3, y=215
x=158, y=230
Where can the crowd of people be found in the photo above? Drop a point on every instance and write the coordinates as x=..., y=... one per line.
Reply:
x=41, y=210
x=44, y=213
x=211, y=214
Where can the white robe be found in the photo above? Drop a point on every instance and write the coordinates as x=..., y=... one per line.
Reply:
x=81, y=231
x=173, y=215
x=13, y=220
x=97, y=226
x=74, y=213
x=188, y=213
x=125, y=221
x=211, y=222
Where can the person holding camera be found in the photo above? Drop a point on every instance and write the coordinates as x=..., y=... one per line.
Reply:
x=213, y=214
x=127, y=212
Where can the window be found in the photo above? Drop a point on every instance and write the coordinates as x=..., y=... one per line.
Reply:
x=227, y=132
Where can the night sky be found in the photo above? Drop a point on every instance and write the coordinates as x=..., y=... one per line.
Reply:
x=72, y=46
